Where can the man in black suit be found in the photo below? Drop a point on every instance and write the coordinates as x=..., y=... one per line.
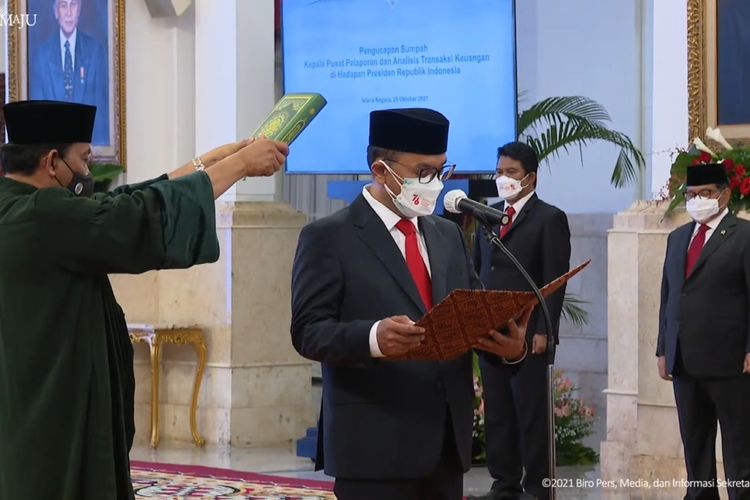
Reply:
x=704, y=335
x=516, y=400
x=395, y=430
x=71, y=66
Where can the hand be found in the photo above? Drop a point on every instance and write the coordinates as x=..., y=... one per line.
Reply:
x=661, y=362
x=222, y=152
x=746, y=368
x=510, y=347
x=263, y=157
x=539, y=344
x=398, y=335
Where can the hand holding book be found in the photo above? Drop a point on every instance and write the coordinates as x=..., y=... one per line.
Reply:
x=511, y=347
x=454, y=326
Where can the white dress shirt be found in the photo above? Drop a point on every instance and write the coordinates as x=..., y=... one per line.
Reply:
x=712, y=225
x=390, y=219
x=72, y=41
x=519, y=204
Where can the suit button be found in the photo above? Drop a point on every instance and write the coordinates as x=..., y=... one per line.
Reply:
x=684, y=294
x=492, y=268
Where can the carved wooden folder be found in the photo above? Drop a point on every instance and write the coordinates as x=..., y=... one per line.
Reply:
x=453, y=325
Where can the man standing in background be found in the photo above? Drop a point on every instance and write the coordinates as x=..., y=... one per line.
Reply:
x=516, y=420
x=704, y=334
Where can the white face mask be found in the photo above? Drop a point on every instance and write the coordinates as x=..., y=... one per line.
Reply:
x=702, y=209
x=509, y=188
x=415, y=199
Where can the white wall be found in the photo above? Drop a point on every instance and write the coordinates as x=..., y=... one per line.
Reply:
x=668, y=117
x=589, y=48
x=160, y=91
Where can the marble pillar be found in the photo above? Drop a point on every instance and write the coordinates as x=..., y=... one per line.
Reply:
x=643, y=438
x=256, y=390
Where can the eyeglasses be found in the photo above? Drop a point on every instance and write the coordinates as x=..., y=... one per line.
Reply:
x=703, y=193
x=427, y=175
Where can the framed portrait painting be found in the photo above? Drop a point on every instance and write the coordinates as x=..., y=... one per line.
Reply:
x=719, y=68
x=72, y=50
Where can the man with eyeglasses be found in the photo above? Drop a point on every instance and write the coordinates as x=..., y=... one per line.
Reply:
x=395, y=430
x=515, y=403
x=704, y=333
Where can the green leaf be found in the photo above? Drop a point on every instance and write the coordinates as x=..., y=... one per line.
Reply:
x=556, y=110
x=558, y=124
x=681, y=164
x=572, y=310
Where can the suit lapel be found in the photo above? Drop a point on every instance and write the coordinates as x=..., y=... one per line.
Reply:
x=437, y=247
x=682, y=242
x=520, y=217
x=721, y=234
x=372, y=231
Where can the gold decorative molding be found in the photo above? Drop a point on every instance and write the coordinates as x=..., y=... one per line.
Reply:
x=697, y=108
x=702, y=76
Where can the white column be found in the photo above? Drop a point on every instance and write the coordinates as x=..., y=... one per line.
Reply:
x=234, y=79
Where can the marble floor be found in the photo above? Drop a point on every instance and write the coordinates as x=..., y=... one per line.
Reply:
x=282, y=461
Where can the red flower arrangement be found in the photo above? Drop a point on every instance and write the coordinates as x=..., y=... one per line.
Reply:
x=736, y=161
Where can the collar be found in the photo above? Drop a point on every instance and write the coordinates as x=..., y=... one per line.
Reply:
x=519, y=204
x=72, y=39
x=15, y=186
x=714, y=223
x=388, y=216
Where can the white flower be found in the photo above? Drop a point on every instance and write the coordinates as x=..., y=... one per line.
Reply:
x=699, y=144
x=715, y=134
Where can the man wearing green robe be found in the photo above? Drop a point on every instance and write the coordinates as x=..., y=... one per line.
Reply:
x=66, y=372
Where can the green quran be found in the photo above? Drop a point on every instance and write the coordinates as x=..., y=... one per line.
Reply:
x=290, y=116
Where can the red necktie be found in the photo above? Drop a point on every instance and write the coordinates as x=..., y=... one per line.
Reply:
x=415, y=263
x=504, y=229
x=694, y=251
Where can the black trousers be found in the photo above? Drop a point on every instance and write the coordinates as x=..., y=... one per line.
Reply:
x=515, y=409
x=444, y=483
x=701, y=403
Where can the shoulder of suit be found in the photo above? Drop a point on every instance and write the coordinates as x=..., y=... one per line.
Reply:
x=548, y=207
x=685, y=227
x=329, y=224
x=443, y=224
x=742, y=224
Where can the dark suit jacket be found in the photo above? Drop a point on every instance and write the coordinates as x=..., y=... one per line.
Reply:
x=90, y=79
x=540, y=239
x=708, y=312
x=379, y=419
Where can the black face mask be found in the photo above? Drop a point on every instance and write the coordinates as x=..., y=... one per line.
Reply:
x=80, y=185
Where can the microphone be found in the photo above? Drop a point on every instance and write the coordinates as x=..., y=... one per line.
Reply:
x=457, y=202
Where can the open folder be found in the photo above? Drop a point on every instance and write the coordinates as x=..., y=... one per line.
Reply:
x=454, y=325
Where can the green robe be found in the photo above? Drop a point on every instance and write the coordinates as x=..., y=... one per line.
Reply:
x=66, y=363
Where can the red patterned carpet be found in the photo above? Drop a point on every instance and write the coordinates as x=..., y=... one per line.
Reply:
x=166, y=481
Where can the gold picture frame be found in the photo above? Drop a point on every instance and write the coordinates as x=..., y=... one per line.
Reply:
x=22, y=84
x=702, y=53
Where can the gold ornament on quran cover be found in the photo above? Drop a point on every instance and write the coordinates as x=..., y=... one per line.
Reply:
x=289, y=117
x=455, y=324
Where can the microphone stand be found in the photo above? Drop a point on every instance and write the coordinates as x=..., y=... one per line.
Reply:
x=493, y=239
